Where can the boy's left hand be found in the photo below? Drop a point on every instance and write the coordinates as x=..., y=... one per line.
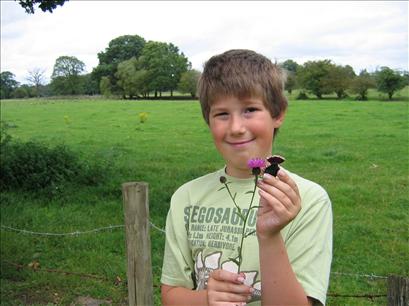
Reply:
x=280, y=203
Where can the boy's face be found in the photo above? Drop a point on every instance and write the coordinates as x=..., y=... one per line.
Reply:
x=242, y=129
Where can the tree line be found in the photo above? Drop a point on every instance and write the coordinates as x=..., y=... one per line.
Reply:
x=325, y=77
x=131, y=67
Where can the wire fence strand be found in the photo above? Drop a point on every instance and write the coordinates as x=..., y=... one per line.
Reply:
x=111, y=227
x=75, y=233
x=360, y=275
x=23, y=231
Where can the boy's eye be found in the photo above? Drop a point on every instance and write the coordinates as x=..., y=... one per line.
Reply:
x=221, y=114
x=251, y=109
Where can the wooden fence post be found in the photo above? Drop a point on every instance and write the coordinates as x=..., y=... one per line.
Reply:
x=138, y=243
x=398, y=291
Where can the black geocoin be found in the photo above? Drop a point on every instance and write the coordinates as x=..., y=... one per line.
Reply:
x=274, y=161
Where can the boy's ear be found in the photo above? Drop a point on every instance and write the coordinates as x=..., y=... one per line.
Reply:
x=278, y=121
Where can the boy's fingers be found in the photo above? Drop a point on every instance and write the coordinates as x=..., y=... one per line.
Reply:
x=273, y=194
x=226, y=276
x=272, y=204
x=231, y=288
x=284, y=177
x=227, y=297
x=229, y=283
x=230, y=304
x=280, y=190
x=284, y=184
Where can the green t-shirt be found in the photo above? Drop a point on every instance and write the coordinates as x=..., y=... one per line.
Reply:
x=203, y=233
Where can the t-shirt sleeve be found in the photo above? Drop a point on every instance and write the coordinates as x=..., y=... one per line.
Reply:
x=177, y=262
x=309, y=243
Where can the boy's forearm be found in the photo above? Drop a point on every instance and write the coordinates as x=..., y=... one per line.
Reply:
x=278, y=281
x=182, y=296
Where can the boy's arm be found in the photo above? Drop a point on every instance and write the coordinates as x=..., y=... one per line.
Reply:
x=182, y=296
x=280, y=203
x=279, y=285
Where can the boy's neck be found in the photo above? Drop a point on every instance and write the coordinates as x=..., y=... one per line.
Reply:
x=238, y=173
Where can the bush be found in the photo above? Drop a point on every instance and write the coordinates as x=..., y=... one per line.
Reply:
x=143, y=116
x=4, y=135
x=302, y=96
x=33, y=166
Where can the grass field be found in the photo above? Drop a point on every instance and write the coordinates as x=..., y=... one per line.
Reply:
x=358, y=151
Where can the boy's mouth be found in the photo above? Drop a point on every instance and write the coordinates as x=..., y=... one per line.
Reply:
x=239, y=144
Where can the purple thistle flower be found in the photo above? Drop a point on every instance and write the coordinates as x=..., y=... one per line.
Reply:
x=256, y=163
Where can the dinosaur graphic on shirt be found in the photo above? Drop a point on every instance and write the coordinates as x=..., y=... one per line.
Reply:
x=204, y=266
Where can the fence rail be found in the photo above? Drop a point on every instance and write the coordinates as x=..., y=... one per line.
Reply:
x=138, y=243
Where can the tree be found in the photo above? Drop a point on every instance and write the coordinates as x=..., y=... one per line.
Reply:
x=312, y=76
x=361, y=84
x=339, y=79
x=389, y=81
x=290, y=68
x=66, y=66
x=164, y=65
x=101, y=71
x=7, y=84
x=36, y=78
x=65, y=79
x=188, y=82
x=119, y=49
x=291, y=82
x=24, y=91
x=131, y=79
x=105, y=86
x=88, y=85
x=122, y=48
x=48, y=5
x=290, y=65
x=405, y=76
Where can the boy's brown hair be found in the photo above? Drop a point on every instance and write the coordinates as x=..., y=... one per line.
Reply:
x=243, y=74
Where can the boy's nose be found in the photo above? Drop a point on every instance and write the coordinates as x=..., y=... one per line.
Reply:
x=237, y=125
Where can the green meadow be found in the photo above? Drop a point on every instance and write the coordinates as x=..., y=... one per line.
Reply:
x=358, y=151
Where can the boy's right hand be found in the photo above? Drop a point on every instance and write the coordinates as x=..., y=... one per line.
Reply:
x=225, y=288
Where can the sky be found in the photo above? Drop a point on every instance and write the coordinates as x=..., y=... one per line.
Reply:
x=363, y=34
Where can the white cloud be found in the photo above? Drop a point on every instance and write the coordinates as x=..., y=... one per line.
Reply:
x=362, y=34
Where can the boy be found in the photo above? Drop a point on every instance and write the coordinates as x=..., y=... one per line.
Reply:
x=286, y=260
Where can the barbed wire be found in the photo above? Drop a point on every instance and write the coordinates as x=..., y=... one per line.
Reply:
x=110, y=227
x=157, y=228
x=362, y=295
x=360, y=275
x=76, y=233
x=23, y=231
x=118, y=280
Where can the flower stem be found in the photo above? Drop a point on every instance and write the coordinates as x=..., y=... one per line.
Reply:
x=244, y=218
x=231, y=196
x=243, y=235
